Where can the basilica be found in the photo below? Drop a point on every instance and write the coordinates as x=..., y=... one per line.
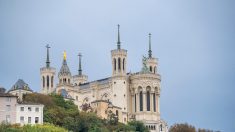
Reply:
x=130, y=96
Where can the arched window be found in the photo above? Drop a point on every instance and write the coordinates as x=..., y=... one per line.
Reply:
x=119, y=63
x=48, y=81
x=52, y=79
x=123, y=65
x=154, y=102
x=151, y=69
x=135, y=102
x=155, y=69
x=43, y=81
x=65, y=80
x=117, y=113
x=160, y=127
x=115, y=64
x=141, y=101
x=148, y=101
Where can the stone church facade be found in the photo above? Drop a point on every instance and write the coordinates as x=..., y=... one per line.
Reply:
x=130, y=96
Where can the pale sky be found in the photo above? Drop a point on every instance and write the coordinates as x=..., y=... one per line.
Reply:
x=193, y=39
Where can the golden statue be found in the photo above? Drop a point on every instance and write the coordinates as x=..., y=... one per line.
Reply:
x=64, y=55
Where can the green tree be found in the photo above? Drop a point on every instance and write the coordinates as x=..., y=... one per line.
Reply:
x=112, y=118
x=138, y=126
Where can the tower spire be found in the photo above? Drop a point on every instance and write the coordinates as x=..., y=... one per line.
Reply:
x=118, y=42
x=150, y=50
x=80, y=64
x=48, y=59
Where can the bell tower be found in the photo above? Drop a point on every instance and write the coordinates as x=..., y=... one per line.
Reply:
x=151, y=61
x=80, y=78
x=119, y=78
x=119, y=59
x=47, y=74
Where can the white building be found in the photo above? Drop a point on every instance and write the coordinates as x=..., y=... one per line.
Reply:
x=8, y=108
x=29, y=114
x=13, y=112
x=133, y=95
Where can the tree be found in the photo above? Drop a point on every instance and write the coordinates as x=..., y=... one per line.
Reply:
x=112, y=118
x=182, y=128
x=138, y=126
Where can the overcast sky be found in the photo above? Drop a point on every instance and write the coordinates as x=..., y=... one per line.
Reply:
x=193, y=39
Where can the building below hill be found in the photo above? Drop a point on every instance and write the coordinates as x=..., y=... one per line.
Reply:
x=131, y=96
x=19, y=113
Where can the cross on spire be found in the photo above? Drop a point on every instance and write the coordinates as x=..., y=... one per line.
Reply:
x=80, y=64
x=118, y=42
x=150, y=50
x=48, y=59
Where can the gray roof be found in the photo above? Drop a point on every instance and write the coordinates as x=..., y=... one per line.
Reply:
x=7, y=95
x=20, y=84
x=64, y=70
x=100, y=82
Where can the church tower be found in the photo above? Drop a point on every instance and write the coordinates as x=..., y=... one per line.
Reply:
x=64, y=75
x=151, y=61
x=119, y=59
x=119, y=78
x=47, y=76
x=80, y=78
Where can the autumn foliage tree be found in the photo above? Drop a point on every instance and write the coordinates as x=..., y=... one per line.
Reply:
x=182, y=128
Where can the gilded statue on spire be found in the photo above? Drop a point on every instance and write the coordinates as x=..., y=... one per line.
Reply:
x=64, y=55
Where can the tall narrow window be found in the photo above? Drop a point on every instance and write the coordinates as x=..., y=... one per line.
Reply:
x=141, y=101
x=21, y=119
x=148, y=101
x=48, y=81
x=115, y=66
x=119, y=63
x=123, y=65
x=36, y=120
x=8, y=118
x=43, y=81
x=160, y=127
x=135, y=102
x=154, y=102
x=151, y=69
x=52, y=79
x=155, y=68
x=29, y=120
x=69, y=81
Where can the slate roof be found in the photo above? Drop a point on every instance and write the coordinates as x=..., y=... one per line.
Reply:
x=64, y=70
x=100, y=82
x=20, y=84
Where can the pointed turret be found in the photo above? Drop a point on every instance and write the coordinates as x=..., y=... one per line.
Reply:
x=80, y=78
x=151, y=62
x=47, y=75
x=119, y=57
x=64, y=70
